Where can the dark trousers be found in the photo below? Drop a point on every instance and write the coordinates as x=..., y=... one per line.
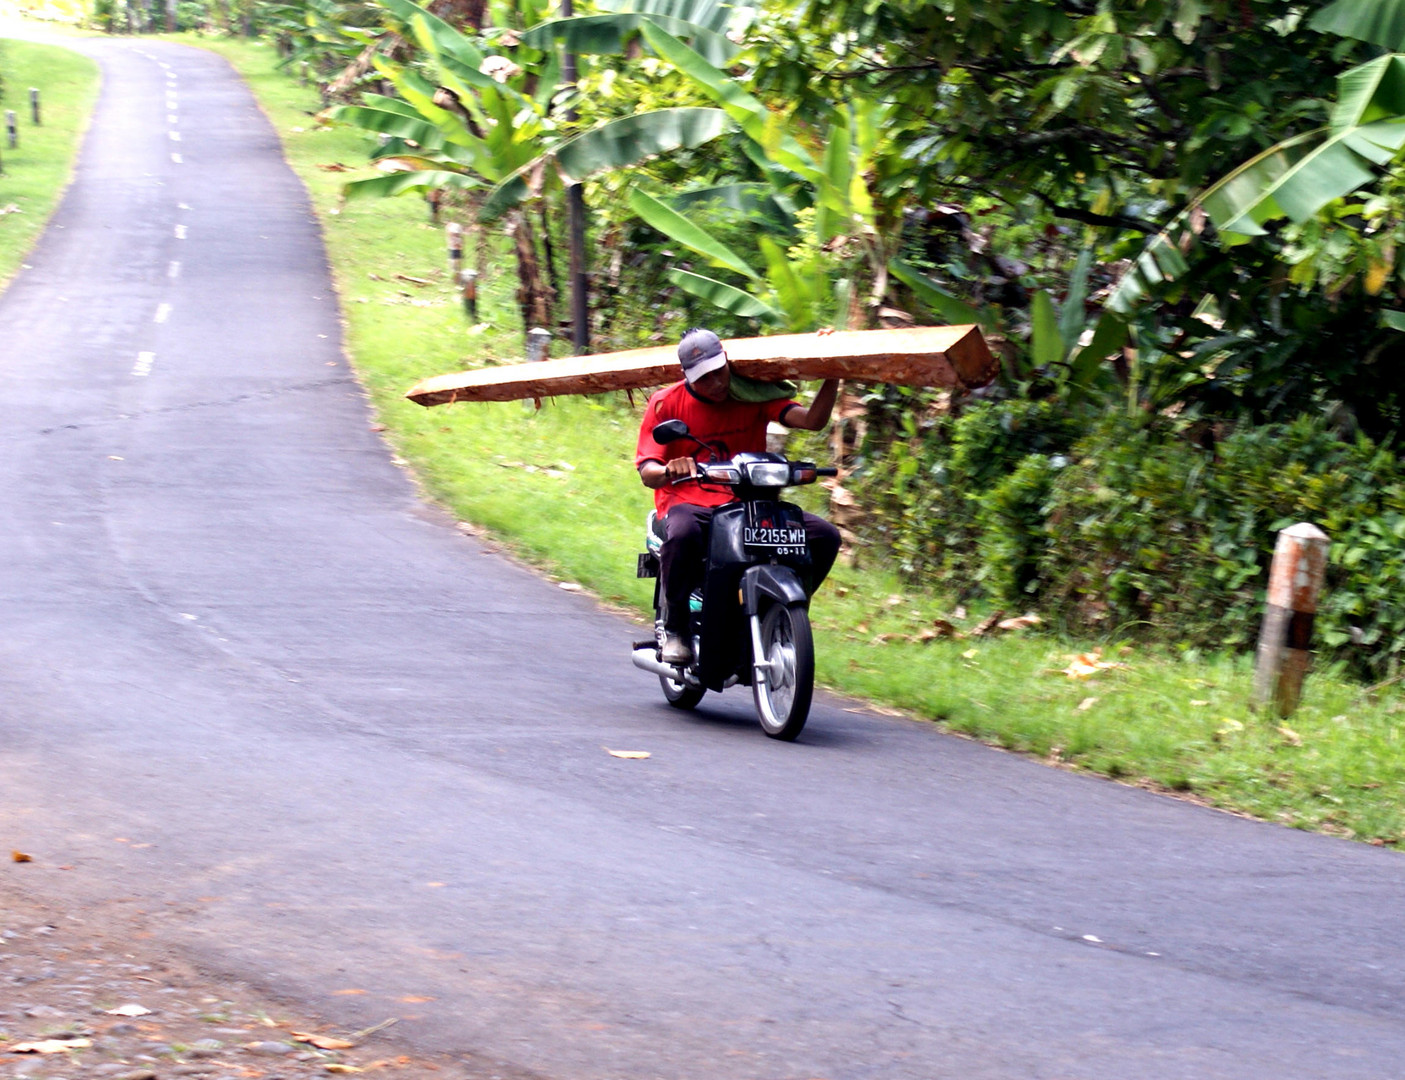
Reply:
x=681, y=558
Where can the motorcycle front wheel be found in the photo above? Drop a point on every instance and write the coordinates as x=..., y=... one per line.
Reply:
x=783, y=696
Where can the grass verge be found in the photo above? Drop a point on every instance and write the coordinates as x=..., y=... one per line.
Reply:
x=557, y=484
x=37, y=171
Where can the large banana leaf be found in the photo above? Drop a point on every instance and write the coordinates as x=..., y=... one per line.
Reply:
x=1298, y=177
x=413, y=180
x=631, y=139
x=747, y=198
x=750, y=113
x=1161, y=260
x=1381, y=22
x=414, y=128
x=676, y=227
x=727, y=297
x=622, y=142
x=954, y=311
x=719, y=16
x=833, y=212
x=609, y=35
x=1045, y=343
x=799, y=294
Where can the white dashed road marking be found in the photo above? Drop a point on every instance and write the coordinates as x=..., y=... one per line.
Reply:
x=163, y=312
x=143, y=364
x=180, y=232
x=174, y=270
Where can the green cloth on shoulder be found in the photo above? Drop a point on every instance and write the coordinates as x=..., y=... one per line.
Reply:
x=754, y=390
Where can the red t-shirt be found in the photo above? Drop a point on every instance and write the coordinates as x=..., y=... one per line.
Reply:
x=736, y=426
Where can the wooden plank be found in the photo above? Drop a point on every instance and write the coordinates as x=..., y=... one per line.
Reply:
x=940, y=356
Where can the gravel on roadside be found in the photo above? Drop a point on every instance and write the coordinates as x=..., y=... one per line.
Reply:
x=82, y=996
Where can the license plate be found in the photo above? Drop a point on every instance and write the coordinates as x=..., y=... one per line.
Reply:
x=788, y=536
x=767, y=526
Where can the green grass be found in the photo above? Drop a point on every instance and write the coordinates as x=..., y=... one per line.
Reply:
x=558, y=487
x=37, y=170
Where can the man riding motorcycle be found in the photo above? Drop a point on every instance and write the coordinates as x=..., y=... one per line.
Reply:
x=704, y=399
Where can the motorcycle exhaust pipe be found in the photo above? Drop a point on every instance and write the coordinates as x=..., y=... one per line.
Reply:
x=646, y=660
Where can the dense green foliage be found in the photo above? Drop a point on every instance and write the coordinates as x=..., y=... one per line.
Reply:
x=1146, y=527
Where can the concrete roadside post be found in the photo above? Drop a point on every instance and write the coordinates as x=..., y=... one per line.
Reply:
x=34, y=106
x=453, y=238
x=1285, y=641
x=538, y=343
x=12, y=130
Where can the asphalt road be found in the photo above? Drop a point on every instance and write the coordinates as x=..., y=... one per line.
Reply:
x=249, y=679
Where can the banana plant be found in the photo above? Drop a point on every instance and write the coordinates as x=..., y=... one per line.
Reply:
x=1298, y=177
x=796, y=285
x=485, y=121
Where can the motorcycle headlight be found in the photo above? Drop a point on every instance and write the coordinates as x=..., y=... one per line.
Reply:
x=768, y=473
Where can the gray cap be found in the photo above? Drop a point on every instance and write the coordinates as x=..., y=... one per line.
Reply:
x=700, y=352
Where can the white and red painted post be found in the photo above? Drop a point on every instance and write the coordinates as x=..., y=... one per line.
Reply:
x=1285, y=641
x=453, y=237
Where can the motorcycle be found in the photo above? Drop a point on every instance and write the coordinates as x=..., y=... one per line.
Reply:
x=749, y=622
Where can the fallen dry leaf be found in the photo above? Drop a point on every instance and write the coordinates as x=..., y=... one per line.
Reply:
x=50, y=1046
x=1197, y=704
x=416, y=999
x=986, y=625
x=970, y=654
x=1087, y=703
x=347, y=993
x=1023, y=622
x=336, y=1067
x=1289, y=735
x=1086, y=665
x=130, y=1009
x=633, y=754
x=20, y=856
x=322, y=1042
x=335, y=166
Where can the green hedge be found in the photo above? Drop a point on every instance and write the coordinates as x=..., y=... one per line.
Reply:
x=1127, y=526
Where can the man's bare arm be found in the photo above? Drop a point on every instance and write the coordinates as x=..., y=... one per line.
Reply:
x=817, y=415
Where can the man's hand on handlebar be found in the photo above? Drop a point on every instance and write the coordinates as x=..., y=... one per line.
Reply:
x=657, y=474
x=681, y=469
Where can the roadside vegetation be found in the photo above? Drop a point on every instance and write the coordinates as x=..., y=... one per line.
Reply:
x=1177, y=221
x=556, y=484
x=36, y=172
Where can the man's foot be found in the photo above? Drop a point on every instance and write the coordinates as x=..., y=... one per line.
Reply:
x=675, y=650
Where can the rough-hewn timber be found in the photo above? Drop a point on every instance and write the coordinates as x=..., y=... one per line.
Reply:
x=941, y=356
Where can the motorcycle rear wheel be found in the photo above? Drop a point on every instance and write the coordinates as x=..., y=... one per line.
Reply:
x=679, y=694
x=783, y=697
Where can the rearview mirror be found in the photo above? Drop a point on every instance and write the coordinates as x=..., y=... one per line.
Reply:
x=670, y=430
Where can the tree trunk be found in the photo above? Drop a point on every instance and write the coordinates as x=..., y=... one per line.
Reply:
x=533, y=293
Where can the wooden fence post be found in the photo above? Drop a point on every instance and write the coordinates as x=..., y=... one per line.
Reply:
x=1285, y=641
x=470, y=294
x=34, y=106
x=12, y=129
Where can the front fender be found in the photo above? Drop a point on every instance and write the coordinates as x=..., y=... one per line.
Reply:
x=776, y=582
